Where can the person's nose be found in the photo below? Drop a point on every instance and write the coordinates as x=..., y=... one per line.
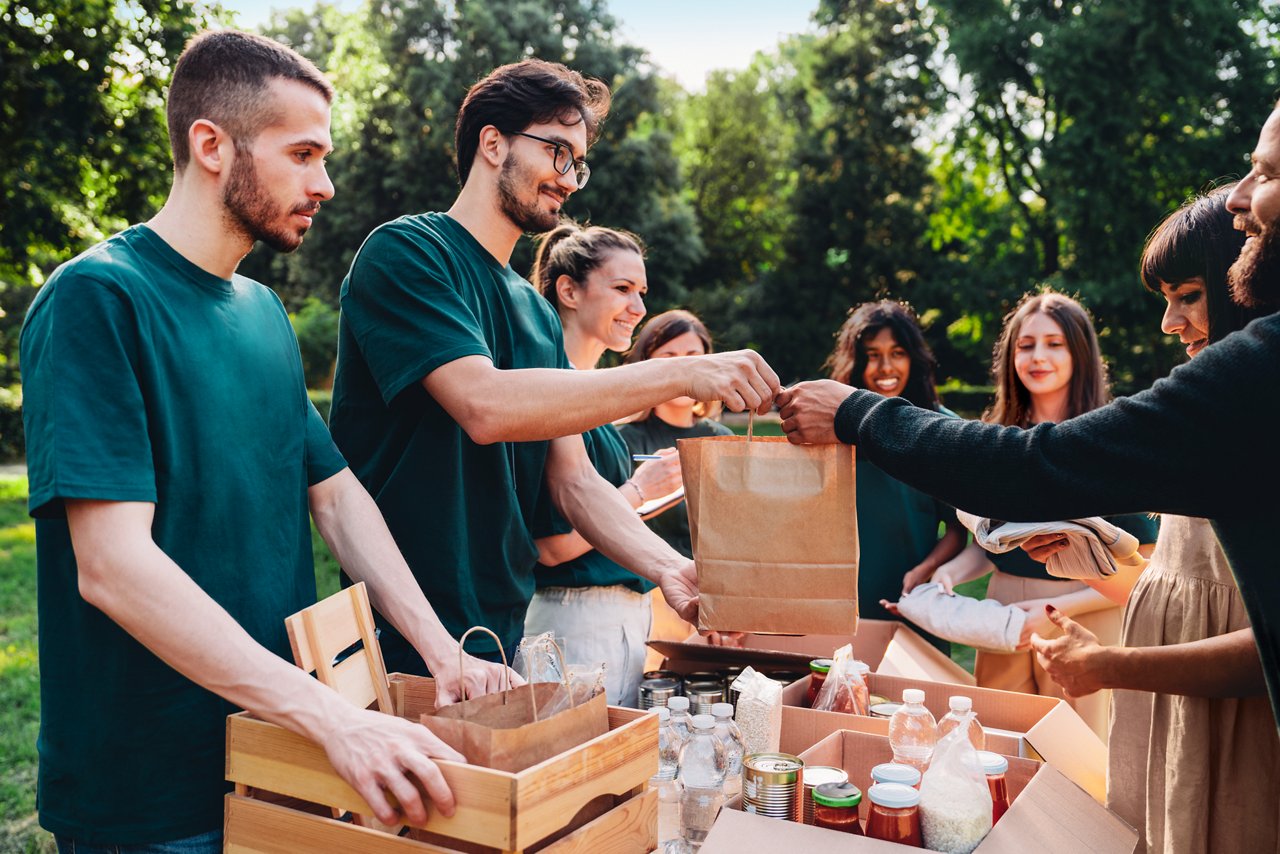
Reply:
x=568, y=182
x=637, y=305
x=1241, y=196
x=322, y=188
x=1172, y=323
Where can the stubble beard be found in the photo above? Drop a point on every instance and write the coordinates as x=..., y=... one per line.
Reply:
x=252, y=212
x=526, y=216
x=1255, y=275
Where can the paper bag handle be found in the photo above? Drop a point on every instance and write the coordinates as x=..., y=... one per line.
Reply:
x=506, y=671
x=751, y=425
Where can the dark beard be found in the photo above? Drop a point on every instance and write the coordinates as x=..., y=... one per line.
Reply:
x=251, y=210
x=1255, y=275
x=527, y=216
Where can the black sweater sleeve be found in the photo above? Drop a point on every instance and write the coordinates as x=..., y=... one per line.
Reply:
x=1198, y=443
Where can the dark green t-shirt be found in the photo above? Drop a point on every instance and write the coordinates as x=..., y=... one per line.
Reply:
x=147, y=379
x=652, y=435
x=612, y=460
x=422, y=292
x=1017, y=562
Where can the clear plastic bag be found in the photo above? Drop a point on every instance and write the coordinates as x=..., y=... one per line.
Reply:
x=759, y=712
x=586, y=681
x=844, y=689
x=955, y=799
x=538, y=659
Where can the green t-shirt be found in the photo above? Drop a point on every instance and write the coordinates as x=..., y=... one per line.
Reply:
x=612, y=460
x=422, y=292
x=1017, y=562
x=147, y=379
x=652, y=435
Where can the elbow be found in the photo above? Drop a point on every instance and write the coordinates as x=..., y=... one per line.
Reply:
x=91, y=581
x=549, y=554
x=482, y=424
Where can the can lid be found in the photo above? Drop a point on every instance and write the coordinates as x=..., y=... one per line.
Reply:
x=703, y=686
x=895, y=772
x=678, y=704
x=893, y=795
x=992, y=763
x=816, y=775
x=703, y=722
x=820, y=665
x=913, y=695
x=960, y=704
x=722, y=710
x=884, y=710
x=837, y=795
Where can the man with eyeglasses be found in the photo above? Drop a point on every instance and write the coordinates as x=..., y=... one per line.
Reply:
x=453, y=400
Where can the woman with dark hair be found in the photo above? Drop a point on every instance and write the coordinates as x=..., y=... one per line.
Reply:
x=1047, y=368
x=1184, y=619
x=595, y=278
x=880, y=348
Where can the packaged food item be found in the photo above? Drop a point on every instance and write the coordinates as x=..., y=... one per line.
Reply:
x=771, y=785
x=894, y=772
x=995, y=767
x=817, y=675
x=758, y=711
x=835, y=807
x=894, y=815
x=955, y=799
x=843, y=690
x=814, y=776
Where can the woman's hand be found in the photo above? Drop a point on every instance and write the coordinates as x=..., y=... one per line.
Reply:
x=1037, y=621
x=946, y=576
x=656, y=478
x=916, y=576
x=1075, y=660
x=1041, y=546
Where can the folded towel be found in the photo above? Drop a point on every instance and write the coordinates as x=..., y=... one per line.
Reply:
x=1095, y=547
x=981, y=623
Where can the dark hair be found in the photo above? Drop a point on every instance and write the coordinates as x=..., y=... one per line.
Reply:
x=221, y=76
x=513, y=97
x=848, y=361
x=574, y=251
x=1199, y=241
x=1089, y=388
x=667, y=327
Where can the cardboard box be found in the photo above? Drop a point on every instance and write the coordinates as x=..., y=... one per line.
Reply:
x=1048, y=813
x=1026, y=725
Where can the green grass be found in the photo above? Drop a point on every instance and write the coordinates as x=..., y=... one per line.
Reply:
x=960, y=654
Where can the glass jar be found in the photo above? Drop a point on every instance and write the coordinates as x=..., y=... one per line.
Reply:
x=818, y=669
x=894, y=815
x=995, y=767
x=835, y=807
x=893, y=772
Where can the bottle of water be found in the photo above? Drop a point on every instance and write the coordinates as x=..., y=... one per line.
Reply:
x=913, y=731
x=729, y=735
x=702, y=770
x=962, y=708
x=679, y=707
x=665, y=782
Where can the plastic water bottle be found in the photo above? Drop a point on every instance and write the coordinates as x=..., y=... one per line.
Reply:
x=962, y=708
x=702, y=771
x=913, y=731
x=679, y=707
x=729, y=735
x=665, y=782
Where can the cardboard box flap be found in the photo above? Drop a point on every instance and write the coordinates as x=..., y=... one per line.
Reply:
x=704, y=652
x=735, y=832
x=913, y=657
x=1060, y=817
x=1066, y=742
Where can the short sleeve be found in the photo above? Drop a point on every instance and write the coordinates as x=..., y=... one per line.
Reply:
x=84, y=410
x=1142, y=525
x=403, y=305
x=324, y=460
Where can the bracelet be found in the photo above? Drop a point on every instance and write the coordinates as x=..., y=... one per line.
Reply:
x=636, y=487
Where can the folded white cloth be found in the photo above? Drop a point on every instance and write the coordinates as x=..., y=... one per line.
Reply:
x=981, y=623
x=1095, y=547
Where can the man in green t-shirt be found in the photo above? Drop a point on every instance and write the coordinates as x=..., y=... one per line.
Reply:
x=173, y=457
x=452, y=397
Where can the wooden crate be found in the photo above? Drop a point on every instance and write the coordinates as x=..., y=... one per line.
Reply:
x=591, y=798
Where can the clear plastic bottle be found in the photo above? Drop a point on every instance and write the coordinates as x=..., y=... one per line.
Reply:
x=913, y=731
x=961, y=708
x=665, y=782
x=679, y=707
x=729, y=735
x=703, y=762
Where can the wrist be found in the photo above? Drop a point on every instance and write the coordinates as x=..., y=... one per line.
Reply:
x=1109, y=665
x=635, y=490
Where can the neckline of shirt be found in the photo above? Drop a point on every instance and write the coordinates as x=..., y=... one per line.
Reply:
x=181, y=263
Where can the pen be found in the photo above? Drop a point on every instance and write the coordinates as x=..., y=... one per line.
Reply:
x=642, y=457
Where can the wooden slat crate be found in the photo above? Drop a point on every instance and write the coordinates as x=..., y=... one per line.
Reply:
x=591, y=798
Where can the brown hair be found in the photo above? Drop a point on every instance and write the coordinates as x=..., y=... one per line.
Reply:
x=658, y=331
x=515, y=96
x=848, y=361
x=1089, y=388
x=574, y=251
x=222, y=76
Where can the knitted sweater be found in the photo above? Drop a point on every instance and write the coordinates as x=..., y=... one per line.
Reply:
x=1201, y=442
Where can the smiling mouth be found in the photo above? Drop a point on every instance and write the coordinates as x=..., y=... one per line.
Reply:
x=886, y=383
x=1196, y=346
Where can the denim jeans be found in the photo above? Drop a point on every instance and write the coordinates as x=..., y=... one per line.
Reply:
x=203, y=843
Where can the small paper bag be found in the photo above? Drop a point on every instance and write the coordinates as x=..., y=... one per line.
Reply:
x=775, y=534
x=518, y=733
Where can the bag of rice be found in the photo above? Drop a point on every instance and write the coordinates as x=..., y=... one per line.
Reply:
x=955, y=800
x=759, y=712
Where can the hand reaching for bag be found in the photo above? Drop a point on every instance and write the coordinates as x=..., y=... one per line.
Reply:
x=479, y=677
x=680, y=589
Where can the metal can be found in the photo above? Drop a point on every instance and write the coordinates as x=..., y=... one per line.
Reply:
x=656, y=692
x=703, y=695
x=667, y=674
x=884, y=710
x=728, y=674
x=815, y=776
x=786, y=677
x=772, y=784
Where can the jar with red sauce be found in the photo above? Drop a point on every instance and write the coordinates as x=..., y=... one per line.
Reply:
x=835, y=807
x=995, y=767
x=818, y=669
x=894, y=815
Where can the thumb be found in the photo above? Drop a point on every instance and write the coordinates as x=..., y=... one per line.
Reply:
x=1058, y=618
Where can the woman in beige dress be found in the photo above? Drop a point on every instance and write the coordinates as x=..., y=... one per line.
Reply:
x=1194, y=758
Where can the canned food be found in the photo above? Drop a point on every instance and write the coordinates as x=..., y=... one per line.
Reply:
x=728, y=674
x=815, y=776
x=786, y=677
x=884, y=710
x=702, y=676
x=656, y=692
x=703, y=695
x=661, y=674
x=877, y=699
x=772, y=784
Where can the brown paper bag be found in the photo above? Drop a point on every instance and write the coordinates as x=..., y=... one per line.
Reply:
x=775, y=534
x=515, y=734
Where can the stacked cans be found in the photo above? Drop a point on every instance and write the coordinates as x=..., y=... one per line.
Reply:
x=656, y=691
x=704, y=688
x=815, y=776
x=703, y=693
x=772, y=784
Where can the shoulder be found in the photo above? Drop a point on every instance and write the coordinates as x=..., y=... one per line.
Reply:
x=110, y=271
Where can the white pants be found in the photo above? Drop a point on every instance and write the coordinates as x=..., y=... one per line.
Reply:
x=609, y=624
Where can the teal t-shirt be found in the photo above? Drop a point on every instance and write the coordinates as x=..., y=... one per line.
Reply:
x=652, y=435
x=612, y=460
x=1017, y=562
x=422, y=292
x=148, y=379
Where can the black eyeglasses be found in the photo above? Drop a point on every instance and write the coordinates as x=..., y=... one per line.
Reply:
x=562, y=159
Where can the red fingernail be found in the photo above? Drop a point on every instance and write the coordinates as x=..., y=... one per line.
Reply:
x=1049, y=609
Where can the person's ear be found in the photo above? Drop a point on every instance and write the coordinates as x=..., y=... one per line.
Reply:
x=493, y=146
x=210, y=146
x=567, y=292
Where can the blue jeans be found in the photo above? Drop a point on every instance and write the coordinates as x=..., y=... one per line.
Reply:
x=203, y=843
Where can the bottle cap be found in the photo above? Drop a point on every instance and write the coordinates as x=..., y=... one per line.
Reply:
x=820, y=665
x=722, y=710
x=837, y=795
x=910, y=695
x=992, y=763
x=678, y=704
x=961, y=704
x=703, y=722
x=894, y=772
x=663, y=713
x=893, y=795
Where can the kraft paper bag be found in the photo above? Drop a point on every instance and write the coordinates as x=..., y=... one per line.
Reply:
x=523, y=730
x=775, y=534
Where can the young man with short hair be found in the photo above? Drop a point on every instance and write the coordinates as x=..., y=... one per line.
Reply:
x=453, y=398
x=173, y=455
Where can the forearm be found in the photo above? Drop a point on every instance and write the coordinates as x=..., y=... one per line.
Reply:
x=972, y=562
x=351, y=524
x=1222, y=666
x=1080, y=602
x=950, y=545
